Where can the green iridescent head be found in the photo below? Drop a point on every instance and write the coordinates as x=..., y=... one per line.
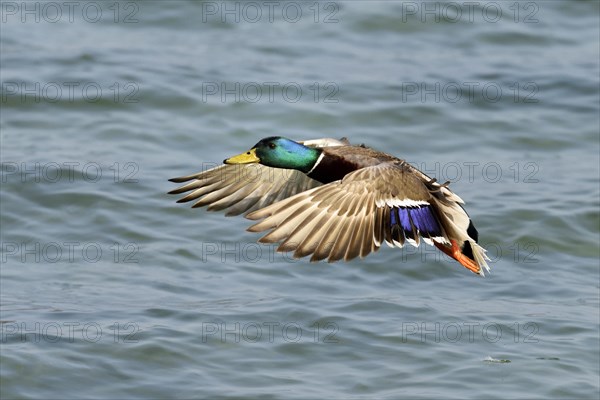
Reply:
x=279, y=152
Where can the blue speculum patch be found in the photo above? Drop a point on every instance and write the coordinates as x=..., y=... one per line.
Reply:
x=421, y=218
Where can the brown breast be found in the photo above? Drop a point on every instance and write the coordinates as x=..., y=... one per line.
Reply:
x=339, y=161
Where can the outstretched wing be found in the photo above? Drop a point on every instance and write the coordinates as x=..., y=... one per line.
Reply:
x=244, y=188
x=354, y=216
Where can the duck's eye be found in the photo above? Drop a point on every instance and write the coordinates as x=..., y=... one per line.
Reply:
x=272, y=145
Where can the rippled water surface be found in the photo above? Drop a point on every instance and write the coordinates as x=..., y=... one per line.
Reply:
x=111, y=290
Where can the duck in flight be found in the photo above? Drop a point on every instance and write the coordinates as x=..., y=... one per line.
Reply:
x=334, y=201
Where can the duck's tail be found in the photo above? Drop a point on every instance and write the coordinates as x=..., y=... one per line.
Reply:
x=461, y=235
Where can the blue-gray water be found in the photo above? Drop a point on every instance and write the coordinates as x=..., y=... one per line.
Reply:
x=111, y=290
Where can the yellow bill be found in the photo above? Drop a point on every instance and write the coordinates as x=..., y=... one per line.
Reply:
x=248, y=157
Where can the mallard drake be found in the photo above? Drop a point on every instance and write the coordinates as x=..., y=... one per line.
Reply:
x=333, y=200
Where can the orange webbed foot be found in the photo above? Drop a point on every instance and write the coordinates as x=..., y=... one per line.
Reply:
x=457, y=254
